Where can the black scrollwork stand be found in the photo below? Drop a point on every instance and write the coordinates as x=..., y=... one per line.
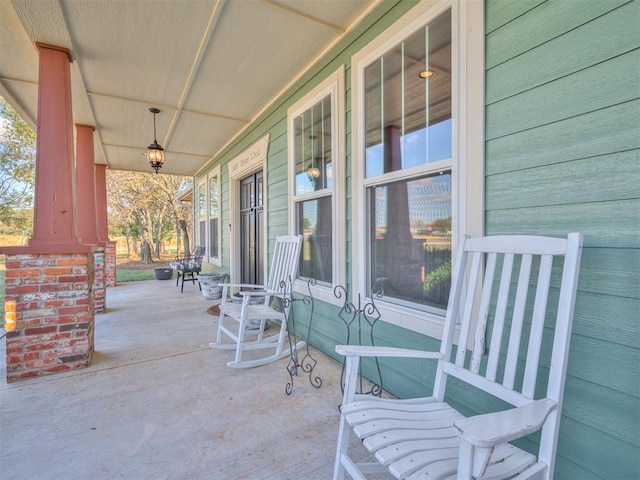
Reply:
x=307, y=363
x=358, y=317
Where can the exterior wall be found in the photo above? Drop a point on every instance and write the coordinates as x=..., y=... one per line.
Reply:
x=562, y=150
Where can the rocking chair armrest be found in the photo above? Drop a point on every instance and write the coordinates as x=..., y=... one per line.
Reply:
x=242, y=285
x=254, y=293
x=367, y=351
x=493, y=429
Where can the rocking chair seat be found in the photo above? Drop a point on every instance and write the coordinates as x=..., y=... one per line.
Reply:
x=421, y=441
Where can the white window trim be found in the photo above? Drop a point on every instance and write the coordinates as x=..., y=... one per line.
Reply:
x=467, y=17
x=335, y=86
x=202, y=186
x=215, y=172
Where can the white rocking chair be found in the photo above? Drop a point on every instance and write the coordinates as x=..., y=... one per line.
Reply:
x=425, y=438
x=249, y=319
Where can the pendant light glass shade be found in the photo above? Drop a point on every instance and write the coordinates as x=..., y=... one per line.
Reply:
x=155, y=153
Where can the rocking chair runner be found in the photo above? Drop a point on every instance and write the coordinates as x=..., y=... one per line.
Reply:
x=425, y=438
x=244, y=317
x=188, y=268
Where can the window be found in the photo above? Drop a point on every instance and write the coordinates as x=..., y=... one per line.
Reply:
x=417, y=167
x=202, y=215
x=316, y=133
x=215, y=234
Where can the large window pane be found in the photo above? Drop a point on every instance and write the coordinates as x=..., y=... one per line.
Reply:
x=410, y=239
x=408, y=102
x=314, y=220
x=213, y=216
x=202, y=215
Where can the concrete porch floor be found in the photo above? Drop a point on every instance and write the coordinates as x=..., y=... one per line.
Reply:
x=158, y=403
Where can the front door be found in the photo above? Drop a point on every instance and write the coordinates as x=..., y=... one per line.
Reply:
x=251, y=230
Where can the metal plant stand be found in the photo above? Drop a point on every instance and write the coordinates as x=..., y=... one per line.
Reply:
x=307, y=363
x=358, y=317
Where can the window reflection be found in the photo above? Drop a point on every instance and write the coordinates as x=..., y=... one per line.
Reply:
x=315, y=224
x=403, y=110
x=312, y=144
x=410, y=239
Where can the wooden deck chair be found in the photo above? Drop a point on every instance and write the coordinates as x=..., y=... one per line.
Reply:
x=512, y=345
x=245, y=324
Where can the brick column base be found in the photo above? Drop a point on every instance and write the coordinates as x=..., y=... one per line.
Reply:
x=110, y=264
x=99, y=288
x=52, y=297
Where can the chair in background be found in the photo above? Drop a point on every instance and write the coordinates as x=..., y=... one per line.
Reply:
x=188, y=268
x=239, y=321
x=504, y=342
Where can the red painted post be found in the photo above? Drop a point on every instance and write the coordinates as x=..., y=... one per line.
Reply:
x=55, y=221
x=85, y=185
x=101, y=202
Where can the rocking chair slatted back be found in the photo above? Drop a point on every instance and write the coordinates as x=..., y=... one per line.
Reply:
x=285, y=264
x=503, y=298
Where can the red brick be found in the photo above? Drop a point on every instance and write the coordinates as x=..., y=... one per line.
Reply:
x=41, y=280
x=40, y=330
x=77, y=326
x=72, y=310
x=21, y=306
x=55, y=271
x=24, y=289
x=32, y=356
x=40, y=346
x=72, y=261
x=21, y=375
x=54, y=287
x=11, y=282
x=59, y=320
x=12, y=359
x=73, y=278
x=12, y=264
x=23, y=272
x=56, y=303
x=57, y=368
x=42, y=362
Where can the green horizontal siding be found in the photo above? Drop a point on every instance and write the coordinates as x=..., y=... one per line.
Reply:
x=563, y=154
x=614, y=224
x=607, y=83
x=601, y=178
x=551, y=21
x=608, y=130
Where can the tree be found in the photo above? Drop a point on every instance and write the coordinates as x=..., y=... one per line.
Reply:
x=145, y=205
x=17, y=166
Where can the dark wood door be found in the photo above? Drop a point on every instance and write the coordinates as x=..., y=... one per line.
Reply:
x=251, y=230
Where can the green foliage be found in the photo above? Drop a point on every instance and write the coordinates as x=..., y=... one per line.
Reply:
x=438, y=275
x=134, y=275
x=17, y=165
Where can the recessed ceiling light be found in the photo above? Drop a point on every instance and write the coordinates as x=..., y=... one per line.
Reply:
x=426, y=74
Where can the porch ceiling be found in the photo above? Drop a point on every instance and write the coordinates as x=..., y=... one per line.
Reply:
x=210, y=66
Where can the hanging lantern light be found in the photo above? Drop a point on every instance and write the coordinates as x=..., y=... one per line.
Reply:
x=155, y=153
